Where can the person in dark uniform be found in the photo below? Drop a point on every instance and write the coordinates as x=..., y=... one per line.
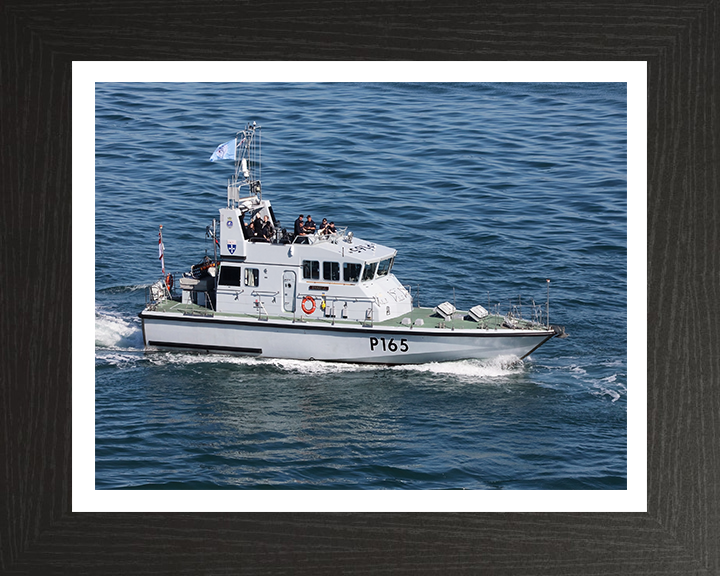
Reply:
x=330, y=229
x=268, y=229
x=323, y=226
x=258, y=226
x=299, y=226
x=310, y=225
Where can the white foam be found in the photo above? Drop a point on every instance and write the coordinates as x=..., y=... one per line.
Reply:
x=116, y=358
x=471, y=369
x=298, y=366
x=577, y=370
x=112, y=331
x=605, y=387
x=317, y=367
x=124, y=289
x=614, y=394
x=609, y=363
x=465, y=369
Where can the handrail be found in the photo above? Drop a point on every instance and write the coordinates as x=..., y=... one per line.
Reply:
x=315, y=295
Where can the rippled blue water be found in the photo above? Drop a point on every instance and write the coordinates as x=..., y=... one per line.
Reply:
x=489, y=189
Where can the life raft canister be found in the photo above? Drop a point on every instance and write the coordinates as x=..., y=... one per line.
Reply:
x=311, y=308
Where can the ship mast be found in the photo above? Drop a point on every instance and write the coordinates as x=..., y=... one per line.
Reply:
x=248, y=166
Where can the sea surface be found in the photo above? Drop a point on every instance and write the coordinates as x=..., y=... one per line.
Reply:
x=487, y=190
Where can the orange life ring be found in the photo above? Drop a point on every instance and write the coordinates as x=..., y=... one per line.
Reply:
x=312, y=304
x=169, y=281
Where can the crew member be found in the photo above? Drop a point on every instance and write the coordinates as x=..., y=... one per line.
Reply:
x=268, y=228
x=310, y=225
x=258, y=226
x=299, y=226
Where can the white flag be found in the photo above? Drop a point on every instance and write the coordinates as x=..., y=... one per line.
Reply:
x=224, y=151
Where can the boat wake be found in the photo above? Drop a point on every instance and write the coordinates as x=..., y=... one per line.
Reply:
x=114, y=332
x=310, y=367
x=464, y=369
x=124, y=289
x=116, y=336
x=499, y=367
x=610, y=386
x=605, y=380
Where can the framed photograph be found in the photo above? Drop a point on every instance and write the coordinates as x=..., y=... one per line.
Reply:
x=660, y=517
x=490, y=177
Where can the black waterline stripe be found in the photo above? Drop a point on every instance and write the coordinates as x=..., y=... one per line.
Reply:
x=206, y=347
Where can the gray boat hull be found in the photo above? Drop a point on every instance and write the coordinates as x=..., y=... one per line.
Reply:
x=334, y=343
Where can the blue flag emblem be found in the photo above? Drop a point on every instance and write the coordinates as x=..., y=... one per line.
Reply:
x=225, y=151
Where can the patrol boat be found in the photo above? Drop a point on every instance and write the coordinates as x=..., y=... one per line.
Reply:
x=321, y=296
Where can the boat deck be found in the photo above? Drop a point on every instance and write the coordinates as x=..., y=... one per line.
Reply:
x=430, y=319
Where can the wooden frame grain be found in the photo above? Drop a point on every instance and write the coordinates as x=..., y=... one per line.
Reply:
x=679, y=533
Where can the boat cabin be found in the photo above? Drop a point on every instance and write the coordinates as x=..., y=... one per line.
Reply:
x=319, y=276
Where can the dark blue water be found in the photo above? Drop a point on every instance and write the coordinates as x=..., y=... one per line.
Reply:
x=486, y=188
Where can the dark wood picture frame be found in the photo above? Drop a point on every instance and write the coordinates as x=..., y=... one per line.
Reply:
x=681, y=530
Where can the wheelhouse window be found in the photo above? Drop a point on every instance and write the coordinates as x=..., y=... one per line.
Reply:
x=252, y=277
x=351, y=271
x=331, y=271
x=369, y=272
x=385, y=266
x=311, y=269
x=229, y=276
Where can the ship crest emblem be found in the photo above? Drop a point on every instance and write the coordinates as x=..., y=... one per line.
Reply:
x=231, y=246
x=229, y=223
